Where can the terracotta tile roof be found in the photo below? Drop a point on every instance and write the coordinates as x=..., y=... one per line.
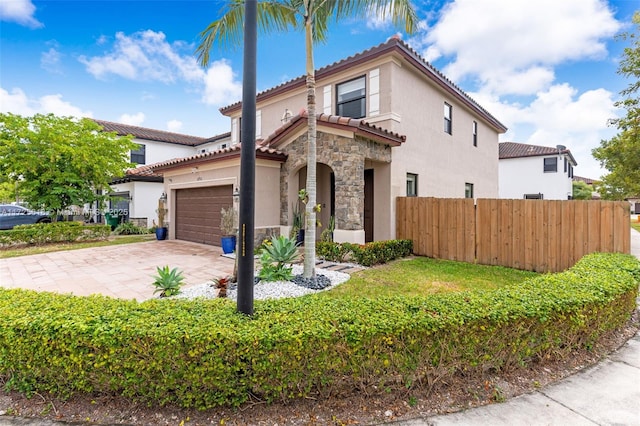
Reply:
x=519, y=150
x=358, y=126
x=142, y=173
x=394, y=44
x=220, y=154
x=155, y=135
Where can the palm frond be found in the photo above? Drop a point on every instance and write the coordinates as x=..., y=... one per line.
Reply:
x=228, y=30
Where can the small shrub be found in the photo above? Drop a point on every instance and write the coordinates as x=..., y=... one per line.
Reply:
x=369, y=254
x=58, y=232
x=168, y=282
x=275, y=257
x=128, y=228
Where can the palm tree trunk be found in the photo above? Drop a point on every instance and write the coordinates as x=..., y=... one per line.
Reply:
x=310, y=216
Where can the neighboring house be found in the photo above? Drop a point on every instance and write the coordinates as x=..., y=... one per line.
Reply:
x=635, y=204
x=595, y=195
x=536, y=172
x=136, y=194
x=389, y=125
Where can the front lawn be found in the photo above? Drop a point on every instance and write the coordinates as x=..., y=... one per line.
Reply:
x=419, y=276
x=636, y=226
x=48, y=248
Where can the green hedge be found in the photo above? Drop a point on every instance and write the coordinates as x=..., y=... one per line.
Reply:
x=57, y=232
x=368, y=254
x=201, y=353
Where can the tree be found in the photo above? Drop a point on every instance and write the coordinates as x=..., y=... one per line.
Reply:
x=60, y=162
x=620, y=155
x=581, y=190
x=312, y=16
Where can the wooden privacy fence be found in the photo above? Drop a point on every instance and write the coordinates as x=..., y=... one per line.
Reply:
x=535, y=235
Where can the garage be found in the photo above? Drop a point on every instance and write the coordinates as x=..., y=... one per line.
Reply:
x=197, y=213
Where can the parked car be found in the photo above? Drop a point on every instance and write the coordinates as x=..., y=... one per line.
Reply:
x=12, y=215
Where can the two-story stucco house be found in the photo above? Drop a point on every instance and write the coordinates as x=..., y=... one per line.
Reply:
x=137, y=192
x=389, y=125
x=536, y=172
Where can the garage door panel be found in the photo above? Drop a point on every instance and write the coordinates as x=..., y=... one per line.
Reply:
x=198, y=213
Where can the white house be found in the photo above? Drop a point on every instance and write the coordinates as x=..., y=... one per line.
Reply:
x=136, y=194
x=535, y=172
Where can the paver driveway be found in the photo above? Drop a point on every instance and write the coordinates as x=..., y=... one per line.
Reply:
x=124, y=271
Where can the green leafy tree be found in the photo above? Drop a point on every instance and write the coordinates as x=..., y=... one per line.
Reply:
x=581, y=190
x=620, y=155
x=60, y=162
x=313, y=17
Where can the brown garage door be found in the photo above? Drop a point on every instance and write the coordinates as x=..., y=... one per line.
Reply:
x=198, y=213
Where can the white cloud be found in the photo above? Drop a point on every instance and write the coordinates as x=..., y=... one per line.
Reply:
x=132, y=119
x=220, y=85
x=17, y=102
x=559, y=116
x=50, y=61
x=174, y=125
x=19, y=11
x=513, y=45
x=148, y=56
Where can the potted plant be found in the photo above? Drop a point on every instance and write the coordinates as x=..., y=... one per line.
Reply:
x=228, y=229
x=161, y=230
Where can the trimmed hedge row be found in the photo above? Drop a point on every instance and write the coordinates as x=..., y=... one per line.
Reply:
x=368, y=254
x=201, y=353
x=57, y=232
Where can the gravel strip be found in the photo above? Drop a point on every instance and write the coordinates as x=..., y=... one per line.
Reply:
x=266, y=290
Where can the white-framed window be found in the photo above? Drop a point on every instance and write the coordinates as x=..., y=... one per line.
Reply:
x=474, y=130
x=412, y=185
x=448, y=118
x=351, y=99
x=468, y=190
x=551, y=165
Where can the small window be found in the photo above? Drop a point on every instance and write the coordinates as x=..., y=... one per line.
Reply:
x=448, y=128
x=468, y=190
x=538, y=196
x=351, y=98
x=565, y=164
x=412, y=185
x=475, y=133
x=138, y=156
x=551, y=165
x=570, y=170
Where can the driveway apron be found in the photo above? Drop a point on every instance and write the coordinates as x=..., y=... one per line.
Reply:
x=123, y=271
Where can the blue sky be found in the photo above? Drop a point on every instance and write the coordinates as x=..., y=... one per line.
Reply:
x=545, y=68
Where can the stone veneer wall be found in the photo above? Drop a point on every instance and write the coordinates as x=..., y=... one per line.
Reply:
x=346, y=157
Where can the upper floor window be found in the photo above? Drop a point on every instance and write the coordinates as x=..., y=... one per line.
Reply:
x=448, y=128
x=412, y=185
x=474, y=129
x=351, y=99
x=468, y=190
x=138, y=156
x=551, y=165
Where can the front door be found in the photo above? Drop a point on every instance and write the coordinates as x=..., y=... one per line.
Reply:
x=368, y=205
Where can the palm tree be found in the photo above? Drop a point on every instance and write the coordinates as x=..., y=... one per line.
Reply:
x=313, y=16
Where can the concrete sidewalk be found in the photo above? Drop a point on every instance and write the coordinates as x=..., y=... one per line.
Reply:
x=607, y=393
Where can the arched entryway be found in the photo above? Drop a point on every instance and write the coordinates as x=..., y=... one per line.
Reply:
x=325, y=193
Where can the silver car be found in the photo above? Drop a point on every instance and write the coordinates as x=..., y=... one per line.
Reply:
x=12, y=215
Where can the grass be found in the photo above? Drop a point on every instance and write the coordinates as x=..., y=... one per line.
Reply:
x=49, y=248
x=419, y=276
x=636, y=226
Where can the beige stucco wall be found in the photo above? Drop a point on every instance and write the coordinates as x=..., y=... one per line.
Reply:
x=411, y=105
x=267, y=203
